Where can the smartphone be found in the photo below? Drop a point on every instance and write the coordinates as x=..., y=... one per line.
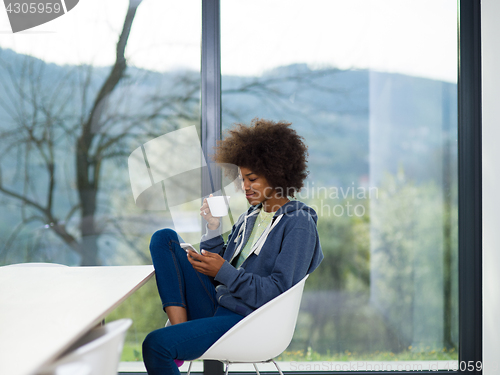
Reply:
x=187, y=246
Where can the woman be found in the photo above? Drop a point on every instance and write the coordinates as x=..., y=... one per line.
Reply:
x=270, y=248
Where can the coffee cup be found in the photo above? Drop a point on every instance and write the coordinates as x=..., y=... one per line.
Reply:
x=218, y=205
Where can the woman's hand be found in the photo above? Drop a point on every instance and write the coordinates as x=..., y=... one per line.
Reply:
x=207, y=263
x=213, y=222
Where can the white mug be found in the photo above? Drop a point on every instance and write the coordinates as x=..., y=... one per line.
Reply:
x=218, y=205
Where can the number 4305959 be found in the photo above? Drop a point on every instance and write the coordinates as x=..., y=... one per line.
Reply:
x=32, y=8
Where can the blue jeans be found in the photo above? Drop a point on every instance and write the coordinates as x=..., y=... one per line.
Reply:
x=180, y=285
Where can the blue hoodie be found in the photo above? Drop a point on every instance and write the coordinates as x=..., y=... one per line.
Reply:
x=288, y=250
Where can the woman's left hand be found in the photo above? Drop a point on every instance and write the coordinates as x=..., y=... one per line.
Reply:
x=207, y=263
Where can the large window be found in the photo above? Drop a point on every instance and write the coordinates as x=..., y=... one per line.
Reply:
x=372, y=86
x=72, y=117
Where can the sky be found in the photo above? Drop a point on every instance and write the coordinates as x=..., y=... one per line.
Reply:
x=414, y=37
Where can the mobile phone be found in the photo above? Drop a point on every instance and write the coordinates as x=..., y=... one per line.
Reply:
x=187, y=246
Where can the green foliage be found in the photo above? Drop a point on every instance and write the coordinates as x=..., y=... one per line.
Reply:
x=381, y=284
x=408, y=262
x=145, y=310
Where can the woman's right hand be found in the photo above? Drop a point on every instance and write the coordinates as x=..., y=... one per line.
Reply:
x=213, y=222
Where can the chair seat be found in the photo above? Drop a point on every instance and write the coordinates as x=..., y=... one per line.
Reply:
x=262, y=335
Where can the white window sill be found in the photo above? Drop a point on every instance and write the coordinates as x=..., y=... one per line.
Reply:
x=137, y=367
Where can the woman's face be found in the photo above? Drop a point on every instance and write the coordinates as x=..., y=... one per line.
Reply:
x=256, y=187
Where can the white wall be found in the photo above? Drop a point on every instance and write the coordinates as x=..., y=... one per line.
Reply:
x=491, y=178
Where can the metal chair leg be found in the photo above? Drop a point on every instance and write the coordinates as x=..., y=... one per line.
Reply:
x=227, y=367
x=256, y=369
x=189, y=368
x=277, y=367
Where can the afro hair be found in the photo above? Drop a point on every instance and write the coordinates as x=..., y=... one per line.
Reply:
x=268, y=148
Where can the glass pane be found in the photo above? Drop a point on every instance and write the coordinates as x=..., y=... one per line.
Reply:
x=85, y=144
x=371, y=86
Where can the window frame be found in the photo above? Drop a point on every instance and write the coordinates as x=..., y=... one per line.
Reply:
x=469, y=183
x=469, y=166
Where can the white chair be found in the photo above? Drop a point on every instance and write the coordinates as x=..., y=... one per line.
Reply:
x=262, y=335
x=98, y=351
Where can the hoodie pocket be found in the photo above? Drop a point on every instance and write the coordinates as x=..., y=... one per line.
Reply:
x=225, y=299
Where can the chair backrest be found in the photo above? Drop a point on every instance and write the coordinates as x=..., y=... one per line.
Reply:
x=262, y=335
x=99, y=350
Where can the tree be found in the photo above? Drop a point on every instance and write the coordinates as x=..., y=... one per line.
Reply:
x=83, y=116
